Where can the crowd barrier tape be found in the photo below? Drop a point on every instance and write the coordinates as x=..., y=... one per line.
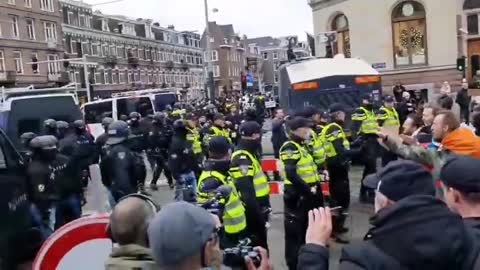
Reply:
x=272, y=166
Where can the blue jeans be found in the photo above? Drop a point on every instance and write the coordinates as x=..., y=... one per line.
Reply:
x=44, y=221
x=67, y=210
x=186, y=183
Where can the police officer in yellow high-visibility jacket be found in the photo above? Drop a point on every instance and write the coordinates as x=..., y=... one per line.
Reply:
x=302, y=190
x=315, y=145
x=338, y=153
x=218, y=128
x=215, y=180
x=388, y=117
x=251, y=182
x=193, y=136
x=365, y=126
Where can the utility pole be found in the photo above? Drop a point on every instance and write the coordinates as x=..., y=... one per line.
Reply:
x=210, y=82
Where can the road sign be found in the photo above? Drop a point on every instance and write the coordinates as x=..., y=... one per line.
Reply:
x=326, y=37
x=379, y=65
x=82, y=242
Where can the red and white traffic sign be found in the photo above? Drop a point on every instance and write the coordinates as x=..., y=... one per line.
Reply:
x=80, y=244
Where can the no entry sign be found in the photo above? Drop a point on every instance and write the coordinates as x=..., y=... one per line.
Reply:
x=80, y=244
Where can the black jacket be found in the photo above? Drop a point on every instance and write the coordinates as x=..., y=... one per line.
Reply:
x=181, y=157
x=418, y=232
x=279, y=136
x=463, y=99
x=159, y=141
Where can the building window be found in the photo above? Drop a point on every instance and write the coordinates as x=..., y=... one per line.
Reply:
x=130, y=77
x=275, y=55
x=2, y=62
x=216, y=71
x=341, y=26
x=17, y=58
x=115, y=76
x=214, y=55
x=275, y=79
x=15, y=33
x=105, y=77
x=136, y=75
x=81, y=20
x=105, y=50
x=50, y=31
x=30, y=28
x=120, y=51
x=70, y=17
x=96, y=49
x=409, y=34
x=472, y=24
x=140, y=54
x=28, y=3
x=265, y=56
x=122, y=76
x=53, y=67
x=47, y=5
x=98, y=77
x=113, y=50
x=35, y=68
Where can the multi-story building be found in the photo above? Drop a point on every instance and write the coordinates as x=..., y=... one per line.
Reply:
x=227, y=55
x=413, y=42
x=30, y=32
x=130, y=54
x=274, y=53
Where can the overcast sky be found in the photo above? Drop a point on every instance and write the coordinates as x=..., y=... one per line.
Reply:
x=251, y=17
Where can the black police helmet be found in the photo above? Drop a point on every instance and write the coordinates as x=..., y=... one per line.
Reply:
x=27, y=137
x=79, y=124
x=50, y=123
x=44, y=142
x=118, y=132
x=107, y=121
x=134, y=115
x=179, y=124
x=158, y=117
x=62, y=125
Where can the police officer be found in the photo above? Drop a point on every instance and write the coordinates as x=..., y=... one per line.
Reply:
x=365, y=125
x=338, y=154
x=217, y=129
x=53, y=190
x=182, y=163
x=315, y=144
x=214, y=180
x=302, y=190
x=25, y=140
x=62, y=129
x=138, y=134
x=251, y=182
x=122, y=173
x=388, y=117
x=193, y=136
x=50, y=127
x=159, y=140
x=235, y=118
x=101, y=140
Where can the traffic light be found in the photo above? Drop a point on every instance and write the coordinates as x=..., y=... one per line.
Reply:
x=461, y=64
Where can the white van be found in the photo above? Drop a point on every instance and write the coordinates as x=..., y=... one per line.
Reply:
x=25, y=109
x=144, y=102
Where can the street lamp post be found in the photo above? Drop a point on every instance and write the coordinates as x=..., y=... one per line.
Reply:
x=210, y=83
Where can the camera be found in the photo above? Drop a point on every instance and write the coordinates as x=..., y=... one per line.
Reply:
x=235, y=257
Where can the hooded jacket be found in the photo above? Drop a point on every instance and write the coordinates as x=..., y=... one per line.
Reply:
x=418, y=232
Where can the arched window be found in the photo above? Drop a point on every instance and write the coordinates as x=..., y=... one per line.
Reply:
x=409, y=34
x=340, y=25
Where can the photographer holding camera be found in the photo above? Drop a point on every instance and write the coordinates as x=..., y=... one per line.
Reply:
x=183, y=236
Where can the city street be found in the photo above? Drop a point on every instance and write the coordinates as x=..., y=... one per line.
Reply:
x=357, y=222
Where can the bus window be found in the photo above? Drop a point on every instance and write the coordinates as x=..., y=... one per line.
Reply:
x=95, y=112
x=142, y=105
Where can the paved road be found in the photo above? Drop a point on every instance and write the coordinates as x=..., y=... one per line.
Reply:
x=358, y=221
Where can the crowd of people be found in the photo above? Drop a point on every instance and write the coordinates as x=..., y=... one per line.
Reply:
x=211, y=156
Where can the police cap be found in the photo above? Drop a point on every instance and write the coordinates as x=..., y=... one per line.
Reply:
x=134, y=115
x=44, y=142
x=299, y=122
x=218, y=116
x=218, y=145
x=388, y=99
x=79, y=124
x=117, y=132
x=27, y=136
x=249, y=128
x=336, y=107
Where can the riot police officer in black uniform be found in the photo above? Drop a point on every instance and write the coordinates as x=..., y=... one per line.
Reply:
x=182, y=162
x=53, y=191
x=50, y=127
x=122, y=173
x=25, y=140
x=138, y=133
x=62, y=129
x=159, y=140
x=102, y=139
